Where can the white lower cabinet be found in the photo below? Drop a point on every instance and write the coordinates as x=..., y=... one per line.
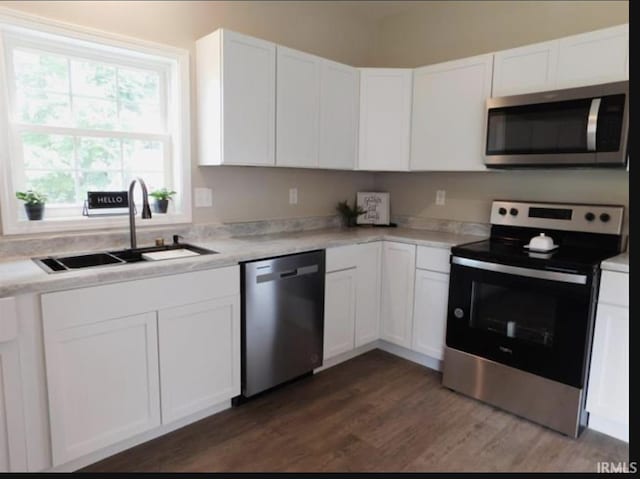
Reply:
x=396, y=307
x=352, y=291
x=115, y=353
x=199, y=356
x=608, y=387
x=430, y=313
x=103, y=383
x=12, y=428
x=339, y=312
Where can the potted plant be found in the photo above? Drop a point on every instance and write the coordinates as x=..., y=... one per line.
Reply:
x=162, y=197
x=33, y=203
x=349, y=214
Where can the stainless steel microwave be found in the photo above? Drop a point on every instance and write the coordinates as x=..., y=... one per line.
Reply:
x=586, y=126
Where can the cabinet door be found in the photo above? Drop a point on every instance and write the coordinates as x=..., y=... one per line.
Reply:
x=13, y=454
x=339, y=109
x=298, y=110
x=339, y=312
x=103, y=383
x=249, y=95
x=430, y=313
x=449, y=110
x=368, y=293
x=398, y=275
x=608, y=389
x=385, y=119
x=596, y=57
x=525, y=69
x=199, y=348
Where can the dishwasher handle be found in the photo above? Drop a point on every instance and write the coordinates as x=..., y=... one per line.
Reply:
x=302, y=271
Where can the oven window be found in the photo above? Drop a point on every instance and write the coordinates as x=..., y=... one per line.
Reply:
x=525, y=315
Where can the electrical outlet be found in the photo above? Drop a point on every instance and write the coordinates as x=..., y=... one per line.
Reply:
x=293, y=196
x=203, y=197
x=440, y=197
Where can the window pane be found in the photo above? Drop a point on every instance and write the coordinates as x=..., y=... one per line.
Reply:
x=47, y=152
x=93, y=80
x=40, y=71
x=43, y=108
x=59, y=186
x=99, y=154
x=140, y=117
x=92, y=113
x=99, y=181
x=153, y=180
x=142, y=156
x=135, y=86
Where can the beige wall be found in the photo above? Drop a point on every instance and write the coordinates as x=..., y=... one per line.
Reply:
x=436, y=31
x=392, y=33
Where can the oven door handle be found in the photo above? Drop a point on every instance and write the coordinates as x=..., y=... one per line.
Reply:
x=518, y=271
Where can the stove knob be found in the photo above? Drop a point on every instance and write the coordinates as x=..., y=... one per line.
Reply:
x=458, y=313
x=513, y=211
x=502, y=211
x=589, y=216
x=605, y=217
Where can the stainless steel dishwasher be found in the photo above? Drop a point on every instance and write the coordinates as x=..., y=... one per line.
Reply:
x=282, y=319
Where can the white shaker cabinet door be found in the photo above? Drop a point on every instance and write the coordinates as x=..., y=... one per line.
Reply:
x=385, y=119
x=449, y=115
x=298, y=109
x=525, y=69
x=430, y=313
x=103, y=383
x=339, y=312
x=368, y=293
x=199, y=349
x=339, y=110
x=595, y=57
x=608, y=389
x=398, y=276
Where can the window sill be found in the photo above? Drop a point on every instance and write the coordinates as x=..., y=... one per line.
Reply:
x=69, y=225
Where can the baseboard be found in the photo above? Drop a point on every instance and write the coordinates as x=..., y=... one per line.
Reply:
x=609, y=427
x=410, y=355
x=139, y=439
x=340, y=358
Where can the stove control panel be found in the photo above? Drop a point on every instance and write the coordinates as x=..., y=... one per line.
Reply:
x=604, y=219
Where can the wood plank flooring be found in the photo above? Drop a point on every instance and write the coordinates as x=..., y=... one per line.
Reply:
x=376, y=412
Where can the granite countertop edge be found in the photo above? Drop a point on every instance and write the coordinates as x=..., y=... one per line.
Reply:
x=618, y=263
x=23, y=276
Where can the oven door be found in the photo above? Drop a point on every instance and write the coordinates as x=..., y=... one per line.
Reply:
x=535, y=320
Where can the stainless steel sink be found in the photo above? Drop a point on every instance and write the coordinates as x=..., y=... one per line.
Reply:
x=60, y=264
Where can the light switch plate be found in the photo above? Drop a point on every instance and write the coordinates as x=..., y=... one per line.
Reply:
x=293, y=196
x=203, y=197
x=440, y=197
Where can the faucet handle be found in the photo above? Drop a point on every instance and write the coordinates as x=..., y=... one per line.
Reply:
x=176, y=238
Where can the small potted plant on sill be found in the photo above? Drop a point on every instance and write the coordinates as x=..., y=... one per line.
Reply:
x=349, y=214
x=162, y=197
x=33, y=203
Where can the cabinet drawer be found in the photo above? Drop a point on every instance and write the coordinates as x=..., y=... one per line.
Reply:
x=341, y=257
x=614, y=288
x=434, y=259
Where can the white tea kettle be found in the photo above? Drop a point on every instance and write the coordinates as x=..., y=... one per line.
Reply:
x=541, y=242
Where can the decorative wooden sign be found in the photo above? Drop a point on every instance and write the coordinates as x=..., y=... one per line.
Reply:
x=106, y=203
x=376, y=206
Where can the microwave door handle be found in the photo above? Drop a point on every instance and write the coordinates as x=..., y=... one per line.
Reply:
x=592, y=124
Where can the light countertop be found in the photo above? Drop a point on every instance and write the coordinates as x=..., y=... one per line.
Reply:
x=617, y=263
x=20, y=276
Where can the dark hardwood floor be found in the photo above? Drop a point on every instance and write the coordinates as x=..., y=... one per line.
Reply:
x=376, y=412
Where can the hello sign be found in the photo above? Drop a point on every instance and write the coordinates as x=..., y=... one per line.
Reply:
x=107, y=199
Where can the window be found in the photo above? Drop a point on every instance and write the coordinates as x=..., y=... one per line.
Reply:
x=89, y=113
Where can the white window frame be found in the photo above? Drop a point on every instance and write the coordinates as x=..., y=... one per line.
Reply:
x=176, y=68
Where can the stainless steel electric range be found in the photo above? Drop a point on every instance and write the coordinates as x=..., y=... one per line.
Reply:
x=521, y=312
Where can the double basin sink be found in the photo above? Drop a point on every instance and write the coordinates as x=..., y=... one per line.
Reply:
x=59, y=264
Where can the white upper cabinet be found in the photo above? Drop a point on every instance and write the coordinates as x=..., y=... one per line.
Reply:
x=339, y=110
x=525, y=69
x=385, y=119
x=449, y=108
x=236, y=77
x=298, y=108
x=595, y=57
